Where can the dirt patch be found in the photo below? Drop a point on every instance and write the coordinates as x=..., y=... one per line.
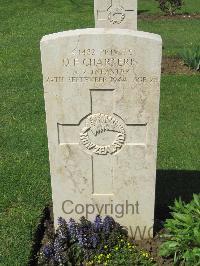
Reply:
x=168, y=17
x=150, y=245
x=174, y=65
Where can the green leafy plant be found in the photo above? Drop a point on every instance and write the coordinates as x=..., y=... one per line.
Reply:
x=170, y=6
x=191, y=57
x=182, y=240
x=123, y=253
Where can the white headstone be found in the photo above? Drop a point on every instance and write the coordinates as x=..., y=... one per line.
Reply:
x=102, y=90
x=116, y=14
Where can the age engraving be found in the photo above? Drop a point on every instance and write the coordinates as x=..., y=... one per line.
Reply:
x=98, y=124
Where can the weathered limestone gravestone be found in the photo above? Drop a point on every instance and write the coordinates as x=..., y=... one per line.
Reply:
x=102, y=90
x=102, y=104
x=115, y=14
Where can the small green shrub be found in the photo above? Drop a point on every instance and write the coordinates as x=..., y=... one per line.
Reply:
x=191, y=57
x=124, y=253
x=170, y=6
x=182, y=240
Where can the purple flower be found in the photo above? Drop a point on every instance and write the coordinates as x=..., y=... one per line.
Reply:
x=58, y=248
x=108, y=224
x=98, y=223
x=61, y=221
x=94, y=241
x=48, y=251
x=81, y=237
x=62, y=231
x=72, y=227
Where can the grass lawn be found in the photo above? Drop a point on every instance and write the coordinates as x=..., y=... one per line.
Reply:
x=176, y=34
x=24, y=168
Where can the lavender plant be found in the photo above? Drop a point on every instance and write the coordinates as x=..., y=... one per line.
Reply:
x=75, y=242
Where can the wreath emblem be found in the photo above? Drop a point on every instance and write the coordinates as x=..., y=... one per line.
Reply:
x=98, y=124
x=117, y=15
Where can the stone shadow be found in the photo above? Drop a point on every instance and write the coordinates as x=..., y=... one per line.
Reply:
x=170, y=185
x=141, y=11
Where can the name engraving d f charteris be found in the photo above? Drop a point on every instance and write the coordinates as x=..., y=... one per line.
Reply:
x=98, y=124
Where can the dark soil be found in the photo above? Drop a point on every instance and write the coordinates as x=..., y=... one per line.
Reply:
x=45, y=234
x=174, y=65
x=152, y=246
x=160, y=16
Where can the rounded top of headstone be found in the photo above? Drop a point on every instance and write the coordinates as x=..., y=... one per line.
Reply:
x=99, y=31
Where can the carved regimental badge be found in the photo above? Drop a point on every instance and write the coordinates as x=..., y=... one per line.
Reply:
x=116, y=15
x=97, y=124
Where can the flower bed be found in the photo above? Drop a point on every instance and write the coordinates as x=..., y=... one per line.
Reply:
x=102, y=242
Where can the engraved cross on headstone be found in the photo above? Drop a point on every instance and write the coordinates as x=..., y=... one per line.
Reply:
x=116, y=14
x=102, y=134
